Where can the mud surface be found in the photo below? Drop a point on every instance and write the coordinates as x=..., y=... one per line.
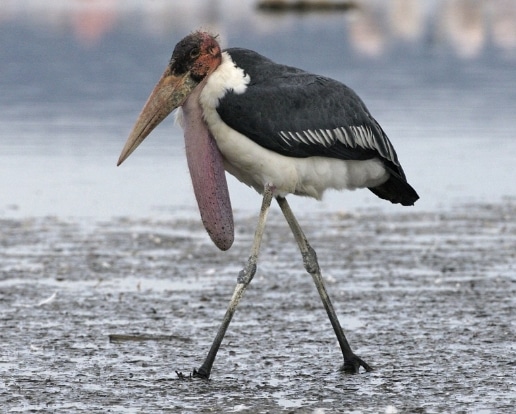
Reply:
x=98, y=316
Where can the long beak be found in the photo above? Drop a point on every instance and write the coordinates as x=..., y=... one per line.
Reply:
x=170, y=92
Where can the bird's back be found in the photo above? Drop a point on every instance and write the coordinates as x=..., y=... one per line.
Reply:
x=324, y=118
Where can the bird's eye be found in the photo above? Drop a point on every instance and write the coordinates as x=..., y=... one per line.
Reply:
x=194, y=53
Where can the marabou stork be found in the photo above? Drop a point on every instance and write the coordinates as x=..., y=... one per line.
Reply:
x=278, y=129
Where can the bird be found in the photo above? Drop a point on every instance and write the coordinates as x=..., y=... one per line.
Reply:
x=278, y=129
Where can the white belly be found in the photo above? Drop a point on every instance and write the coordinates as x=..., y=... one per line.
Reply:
x=257, y=166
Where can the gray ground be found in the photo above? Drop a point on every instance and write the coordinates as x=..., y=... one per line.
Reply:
x=98, y=316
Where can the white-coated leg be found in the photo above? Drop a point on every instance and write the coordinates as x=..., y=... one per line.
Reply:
x=244, y=278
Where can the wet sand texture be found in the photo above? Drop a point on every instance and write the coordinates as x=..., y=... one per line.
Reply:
x=98, y=316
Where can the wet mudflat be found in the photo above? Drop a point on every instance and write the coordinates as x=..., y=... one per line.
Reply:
x=98, y=315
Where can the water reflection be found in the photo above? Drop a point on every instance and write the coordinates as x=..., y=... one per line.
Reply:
x=465, y=25
x=439, y=76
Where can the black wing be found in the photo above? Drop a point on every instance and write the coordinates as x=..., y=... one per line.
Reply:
x=299, y=114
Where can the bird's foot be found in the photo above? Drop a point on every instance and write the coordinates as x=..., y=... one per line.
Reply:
x=201, y=373
x=182, y=376
x=352, y=365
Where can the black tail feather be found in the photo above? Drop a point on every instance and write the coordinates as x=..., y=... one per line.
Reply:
x=396, y=190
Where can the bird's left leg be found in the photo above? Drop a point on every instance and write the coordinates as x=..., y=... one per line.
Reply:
x=244, y=278
x=352, y=363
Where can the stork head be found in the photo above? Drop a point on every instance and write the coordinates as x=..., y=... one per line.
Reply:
x=194, y=58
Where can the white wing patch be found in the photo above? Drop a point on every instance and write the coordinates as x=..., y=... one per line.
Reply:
x=353, y=137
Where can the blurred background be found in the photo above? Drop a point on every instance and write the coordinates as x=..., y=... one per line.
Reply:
x=439, y=76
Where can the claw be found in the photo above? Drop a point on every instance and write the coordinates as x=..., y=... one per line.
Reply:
x=182, y=376
x=352, y=366
x=201, y=373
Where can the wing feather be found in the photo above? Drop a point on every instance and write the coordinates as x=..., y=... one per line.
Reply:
x=299, y=114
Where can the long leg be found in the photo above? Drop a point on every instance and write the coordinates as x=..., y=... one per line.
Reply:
x=352, y=363
x=244, y=278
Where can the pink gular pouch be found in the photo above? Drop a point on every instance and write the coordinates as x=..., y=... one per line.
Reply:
x=207, y=172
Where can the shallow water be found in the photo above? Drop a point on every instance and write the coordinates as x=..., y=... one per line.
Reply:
x=96, y=317
x=75, y=75
x=108, y=283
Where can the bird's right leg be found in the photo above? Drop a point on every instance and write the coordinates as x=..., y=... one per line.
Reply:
x=352, y=362
x=244, y=278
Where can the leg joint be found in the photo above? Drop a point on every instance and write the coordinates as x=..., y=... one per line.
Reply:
x=247, y=273
x=310, y=260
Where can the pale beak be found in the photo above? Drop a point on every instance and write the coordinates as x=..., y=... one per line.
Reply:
x=170, y=92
